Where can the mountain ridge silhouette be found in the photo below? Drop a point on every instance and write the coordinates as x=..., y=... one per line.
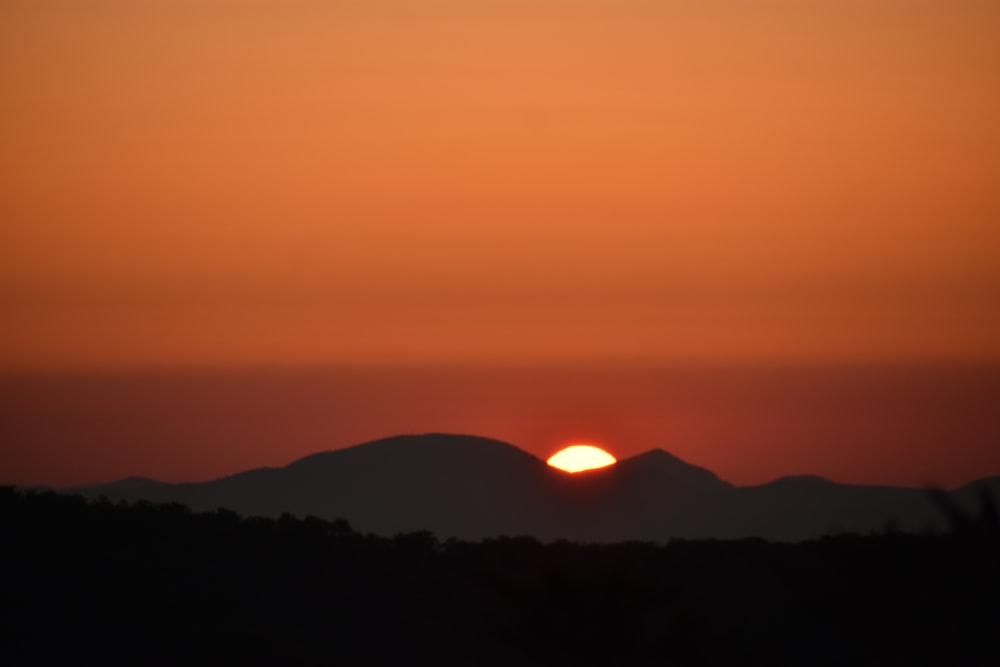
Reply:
x=472, y=487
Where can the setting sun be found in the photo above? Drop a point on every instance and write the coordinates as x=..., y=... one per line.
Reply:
x=581, y=457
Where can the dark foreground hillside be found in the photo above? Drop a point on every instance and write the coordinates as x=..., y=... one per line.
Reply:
x=99, y=583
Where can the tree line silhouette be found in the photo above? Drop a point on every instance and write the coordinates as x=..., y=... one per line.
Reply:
x=88, y=582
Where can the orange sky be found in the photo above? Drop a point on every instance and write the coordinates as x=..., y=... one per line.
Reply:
x=445, y=181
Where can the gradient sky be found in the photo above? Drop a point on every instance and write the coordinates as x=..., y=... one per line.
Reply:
x=907, y=426
x=606, y=194
x=232, y=182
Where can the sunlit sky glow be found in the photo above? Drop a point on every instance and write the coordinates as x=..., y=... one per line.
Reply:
x=443, y=181
x=760, y=233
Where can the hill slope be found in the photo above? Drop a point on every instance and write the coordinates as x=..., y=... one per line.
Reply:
x=470, y=487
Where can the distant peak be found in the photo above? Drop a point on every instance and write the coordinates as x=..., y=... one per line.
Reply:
x=454, y=441
x=447, y=445
x=423, y=438
x=661, y=457
x=658, y=454
x=665, y=462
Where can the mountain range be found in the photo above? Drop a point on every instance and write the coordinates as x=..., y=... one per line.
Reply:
x=473, y=488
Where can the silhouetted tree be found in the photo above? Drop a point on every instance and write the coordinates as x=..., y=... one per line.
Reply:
x=158, y=584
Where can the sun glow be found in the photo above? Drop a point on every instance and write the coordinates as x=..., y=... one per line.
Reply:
x=578, y=458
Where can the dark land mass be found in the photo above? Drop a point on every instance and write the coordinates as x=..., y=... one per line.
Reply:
x=474, y=488
x=102, y=583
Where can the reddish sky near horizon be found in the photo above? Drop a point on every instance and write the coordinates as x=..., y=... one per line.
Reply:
x=904, y=426
x=586, y=184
